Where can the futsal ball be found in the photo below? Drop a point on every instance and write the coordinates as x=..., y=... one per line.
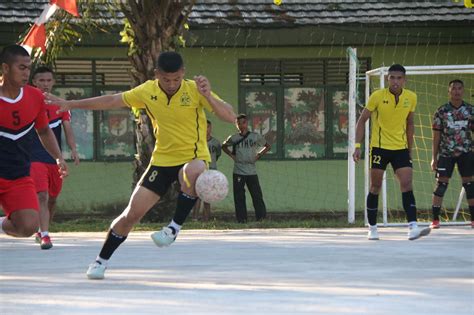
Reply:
x=212, y=186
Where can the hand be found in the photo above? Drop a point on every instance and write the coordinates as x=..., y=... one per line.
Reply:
x=434, y=164
x=356, y=155
x=63, y=172
x=257, y=157
x=203, y=85
x=75, y=157
x=51, y=99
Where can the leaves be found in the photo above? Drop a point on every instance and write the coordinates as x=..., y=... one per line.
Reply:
x=128, y=37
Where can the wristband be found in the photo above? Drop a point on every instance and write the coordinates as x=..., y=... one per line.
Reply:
x=357, y=145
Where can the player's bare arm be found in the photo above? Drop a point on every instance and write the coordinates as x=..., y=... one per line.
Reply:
x=103, y=102
x=49, y=142
x=410, y=130
x=225, y=148
x=71, y=141
x=435, y=149
x=265, y=149
x=360, y=131
x=222, y=110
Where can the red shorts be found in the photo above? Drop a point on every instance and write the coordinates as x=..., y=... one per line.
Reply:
x=18, y=194
x=46, y=177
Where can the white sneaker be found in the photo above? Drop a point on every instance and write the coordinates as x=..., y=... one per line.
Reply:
x=96, y=271
x=163, y=238
x=416, y=232
x=373, y=234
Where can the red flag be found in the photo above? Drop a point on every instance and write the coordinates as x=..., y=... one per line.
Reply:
x=36, y=37
x=68, y=5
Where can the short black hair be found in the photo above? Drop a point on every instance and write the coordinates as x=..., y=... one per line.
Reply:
x=241, y=116
x=42, y=69
x=10, y=52
x=456, y=81
x=169, y=61
x=397, y=67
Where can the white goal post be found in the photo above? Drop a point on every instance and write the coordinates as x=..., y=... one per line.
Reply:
x=381, y=73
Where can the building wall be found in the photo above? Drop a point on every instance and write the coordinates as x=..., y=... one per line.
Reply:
x=287, y=185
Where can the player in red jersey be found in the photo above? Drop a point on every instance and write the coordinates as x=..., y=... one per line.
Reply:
x=22, y=110
x=44, y=170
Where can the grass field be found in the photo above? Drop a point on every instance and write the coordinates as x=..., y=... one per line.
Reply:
x=94, y=224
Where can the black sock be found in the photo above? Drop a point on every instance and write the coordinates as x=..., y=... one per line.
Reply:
x=183, y=207
x=112, y=242
x=471, y=210
x=409, y=204
x=436, y=211
x=372, y=204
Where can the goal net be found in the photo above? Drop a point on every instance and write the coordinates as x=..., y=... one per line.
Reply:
x=430, y=83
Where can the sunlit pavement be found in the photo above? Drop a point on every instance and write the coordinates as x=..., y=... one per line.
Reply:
x=271, y=271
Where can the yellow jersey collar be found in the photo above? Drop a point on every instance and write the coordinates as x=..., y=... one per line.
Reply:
x=157, y=84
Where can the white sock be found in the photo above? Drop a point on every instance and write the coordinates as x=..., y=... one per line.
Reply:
x=44, y=233
x=1, y=225
x=175, y=226
x=412, y=224
x=102, y=260
x=373, y=227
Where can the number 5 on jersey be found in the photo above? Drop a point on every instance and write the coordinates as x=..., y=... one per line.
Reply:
x=16, y=118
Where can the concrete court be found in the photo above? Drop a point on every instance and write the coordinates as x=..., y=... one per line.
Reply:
x=275, y=271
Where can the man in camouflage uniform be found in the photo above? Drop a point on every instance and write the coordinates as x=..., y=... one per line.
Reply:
x=453, y=124
x=247, y=148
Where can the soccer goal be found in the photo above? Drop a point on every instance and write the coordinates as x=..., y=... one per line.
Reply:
x=430, y=83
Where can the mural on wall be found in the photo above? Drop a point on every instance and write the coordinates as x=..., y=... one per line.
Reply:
x=304, y=123
x=116, y=137
x=340, y=105
x=82, y=122
x=262, y=112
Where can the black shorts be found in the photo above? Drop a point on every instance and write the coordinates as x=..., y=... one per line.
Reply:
x=159, y=178
x=379, y=158
x=465, y=163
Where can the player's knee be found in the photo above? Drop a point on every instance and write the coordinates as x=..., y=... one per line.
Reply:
x=440, y=190
x=195, y=168
x=25, y=223
x=43, y=197
x=189, y=175
x=131, y=217
x=469, y=188
x=27, y=229
x=375, y=188
x=406, y=184
x=52, y=202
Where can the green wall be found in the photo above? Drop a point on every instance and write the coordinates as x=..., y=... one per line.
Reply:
x=287, y=186
x=96, y=186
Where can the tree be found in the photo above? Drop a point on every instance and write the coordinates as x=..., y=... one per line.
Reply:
x=150, y=27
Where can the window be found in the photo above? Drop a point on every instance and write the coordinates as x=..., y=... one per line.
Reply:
x=299, y=105
x=100, y=135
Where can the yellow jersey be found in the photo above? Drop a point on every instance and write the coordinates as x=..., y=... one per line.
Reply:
x=179, y=123
x=389, y=119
